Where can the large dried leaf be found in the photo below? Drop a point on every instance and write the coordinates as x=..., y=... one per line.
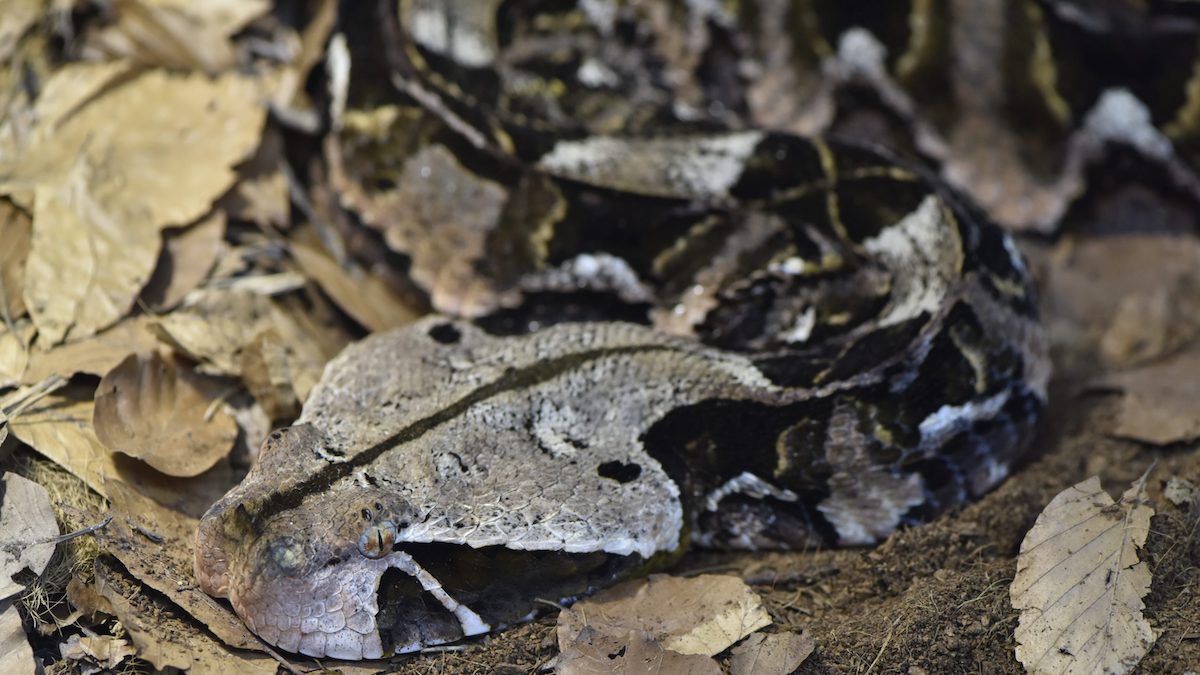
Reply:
x=25, y=520
x=112, y=167
x=1079, y=583
x=693, y=615
x=156, y=409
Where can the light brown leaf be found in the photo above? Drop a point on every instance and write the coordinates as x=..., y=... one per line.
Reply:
x=96, y=653
x=215, y=326
x=366, y=298
x=635, y=654
x=154, y=543
x=146, y=151
x=694, y=615
x=188, y=255
x=25, y=518
x=15, y=231
x=165, y=636
x=59, y=426
x=172, y=34
x=14, y=352
x=1160, y=402
x=157, y=409
x=1079, y=583
x=771, y=654
x=16, y=656
x=96, y=355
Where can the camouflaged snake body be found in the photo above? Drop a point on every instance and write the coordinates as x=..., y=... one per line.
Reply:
x=734, y=338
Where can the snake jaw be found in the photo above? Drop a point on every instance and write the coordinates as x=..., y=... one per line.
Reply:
x=328, y=613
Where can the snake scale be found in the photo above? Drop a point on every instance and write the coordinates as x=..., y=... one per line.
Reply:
x=655, y=322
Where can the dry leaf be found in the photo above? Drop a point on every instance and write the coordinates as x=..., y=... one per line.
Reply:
x=261, y=194
x=215, y=327
x=1079, y=583
x=93, y=654
x=636, y=654
x=154, y=543
x=173, y=34
x=1180, y=491
x=693, y=615
x=16, y=17
x=268, y=376
x=14, y=352
x=144, y=152
x=59, y=426
x=188, y=255
x=16, y=656
x=771, y=654
x=96, y=355
x=15, y=232
x=366, y=298
x=25, y=518
x=1160, y=402
x=166, y=637
x=156, y=409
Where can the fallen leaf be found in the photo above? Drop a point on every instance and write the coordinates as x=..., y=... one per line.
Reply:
x=771, y=654
x=154, y=543
x=366, y=298
x=15, y=231
x=173, y=34
x=690, y=615
x=93, y=654
x=166, y=637
x=267, y=374
x=25, y=520
x=187, y=256
x=261, y=194
x=1160, y=403
x=14, y=352
x=215, y=327
x=18, y=16
x=96, y=355
x=1181, y=491
x=158, y=410
x=637, y=653
x=59, y=427
x=1079, y=583
x=16, y=656
x=145, y=151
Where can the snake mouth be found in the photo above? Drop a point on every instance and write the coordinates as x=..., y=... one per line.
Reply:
x=369, y=608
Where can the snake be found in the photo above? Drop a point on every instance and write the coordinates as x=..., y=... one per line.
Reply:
x=654, y=325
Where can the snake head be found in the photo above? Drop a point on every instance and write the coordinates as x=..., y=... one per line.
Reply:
x=302, y=571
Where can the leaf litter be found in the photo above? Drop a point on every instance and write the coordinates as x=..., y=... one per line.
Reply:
x=211, y=268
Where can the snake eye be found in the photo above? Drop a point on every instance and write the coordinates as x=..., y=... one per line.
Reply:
x=377, y=540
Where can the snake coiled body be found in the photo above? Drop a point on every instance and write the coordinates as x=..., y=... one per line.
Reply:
x=678, y=333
